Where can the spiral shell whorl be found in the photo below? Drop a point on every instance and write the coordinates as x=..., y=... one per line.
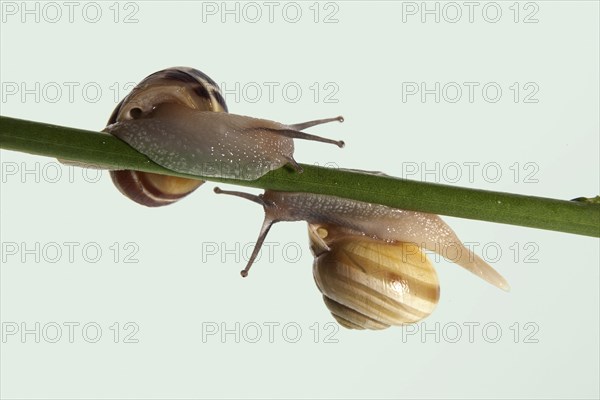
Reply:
x=372, y=284
x=181, y=85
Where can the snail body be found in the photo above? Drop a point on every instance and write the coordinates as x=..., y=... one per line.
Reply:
x=369, y=263
x=178, y=118
x=209, y=143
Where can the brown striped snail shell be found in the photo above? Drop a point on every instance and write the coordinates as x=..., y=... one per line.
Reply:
x=369, y=283
x=369, y=260
x=185, y=87
x=178, y=118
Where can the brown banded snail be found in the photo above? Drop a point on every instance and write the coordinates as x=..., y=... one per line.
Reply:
x=178, y=118
x=368, y=260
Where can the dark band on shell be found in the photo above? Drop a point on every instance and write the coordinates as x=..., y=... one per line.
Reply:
x=195, y=82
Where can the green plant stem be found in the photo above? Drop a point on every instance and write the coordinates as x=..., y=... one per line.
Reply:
x=100, y=149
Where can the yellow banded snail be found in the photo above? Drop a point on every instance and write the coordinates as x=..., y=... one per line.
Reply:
x=178, y=118
x=368, y=260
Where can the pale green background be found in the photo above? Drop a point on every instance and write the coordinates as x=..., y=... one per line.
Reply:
x=170, y=293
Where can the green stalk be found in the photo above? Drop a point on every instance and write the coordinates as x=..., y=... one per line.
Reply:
x=580, y=217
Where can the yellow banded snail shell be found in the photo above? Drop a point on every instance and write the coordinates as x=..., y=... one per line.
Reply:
x=178, y=118
x=369, y=263
x=369, y=283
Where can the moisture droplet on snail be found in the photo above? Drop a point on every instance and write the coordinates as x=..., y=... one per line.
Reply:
x=369, y=262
